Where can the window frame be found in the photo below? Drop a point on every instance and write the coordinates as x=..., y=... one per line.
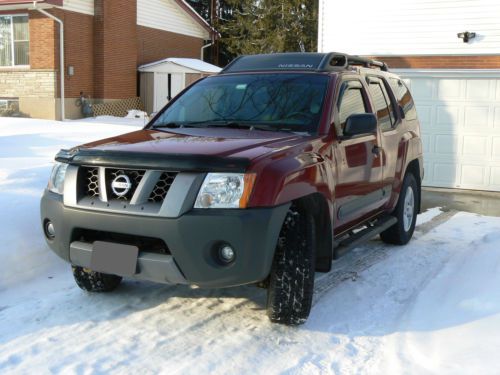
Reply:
x=352, y=82
x=396, y=98
x=387, y=93
x=13, y=65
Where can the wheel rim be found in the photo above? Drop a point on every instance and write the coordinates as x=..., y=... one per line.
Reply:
x=408, y=209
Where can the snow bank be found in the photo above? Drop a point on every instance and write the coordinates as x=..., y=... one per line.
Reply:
x=27, y=150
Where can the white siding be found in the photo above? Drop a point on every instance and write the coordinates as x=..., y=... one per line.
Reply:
x=167, y=15
x=409, y=27
x=80, y=6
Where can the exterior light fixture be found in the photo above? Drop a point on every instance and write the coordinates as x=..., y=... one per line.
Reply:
x=466, y=36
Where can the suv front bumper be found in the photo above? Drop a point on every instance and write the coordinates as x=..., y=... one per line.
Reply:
x=191, y=239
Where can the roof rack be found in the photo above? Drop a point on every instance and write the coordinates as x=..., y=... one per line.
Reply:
x=320, y=62
x=345, y=61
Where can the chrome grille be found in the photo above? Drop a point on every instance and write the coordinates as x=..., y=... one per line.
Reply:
x=162, y=186
x=95, y=183
x=92, y=180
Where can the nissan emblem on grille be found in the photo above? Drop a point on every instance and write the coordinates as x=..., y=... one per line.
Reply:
x=121, y=185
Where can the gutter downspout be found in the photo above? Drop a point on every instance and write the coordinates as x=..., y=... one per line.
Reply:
x=61, y=54
x=203, y=50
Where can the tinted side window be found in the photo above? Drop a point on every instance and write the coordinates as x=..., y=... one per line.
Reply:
x=351, y=103
x=404, y=98
x=382, y=105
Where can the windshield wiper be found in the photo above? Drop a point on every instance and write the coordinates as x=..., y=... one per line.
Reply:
x=173, y=125
x=170, y=125
x=232, y=124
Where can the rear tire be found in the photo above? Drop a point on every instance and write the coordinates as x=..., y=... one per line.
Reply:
x=291, y=282
x=92, y=281
x=406, y=212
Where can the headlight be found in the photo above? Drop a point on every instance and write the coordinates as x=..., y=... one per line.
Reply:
x=56, y=181
x=225, y=190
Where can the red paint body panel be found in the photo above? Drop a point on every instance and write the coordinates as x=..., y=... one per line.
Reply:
x=290, y=166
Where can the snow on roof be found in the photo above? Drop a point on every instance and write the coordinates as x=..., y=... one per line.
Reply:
x=194, y=64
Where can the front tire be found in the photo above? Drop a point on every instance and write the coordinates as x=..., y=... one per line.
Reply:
x=291, y=282
x=406, y=212
x=92, y=281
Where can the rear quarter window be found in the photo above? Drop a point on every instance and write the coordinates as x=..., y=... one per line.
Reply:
x=383, y=107
x=402, y=94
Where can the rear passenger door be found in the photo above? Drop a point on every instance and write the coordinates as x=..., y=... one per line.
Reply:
x=391, y=129
x=359, y=171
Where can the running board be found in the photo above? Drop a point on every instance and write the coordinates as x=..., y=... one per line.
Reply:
x=343, y=247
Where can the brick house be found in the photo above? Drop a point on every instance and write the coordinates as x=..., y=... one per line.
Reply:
x=454, y=76
x=104, y=43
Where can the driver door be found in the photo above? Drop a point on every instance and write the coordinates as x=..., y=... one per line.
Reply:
x=359, y=191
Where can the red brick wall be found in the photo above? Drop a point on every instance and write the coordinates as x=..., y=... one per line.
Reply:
x=442, y=62
x=154, y=45
x=115, y=56
x=104, y=49
x=43, y=35
x=78, y=48
x=79, y=53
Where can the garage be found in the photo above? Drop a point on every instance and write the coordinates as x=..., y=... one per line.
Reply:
x=459, y=114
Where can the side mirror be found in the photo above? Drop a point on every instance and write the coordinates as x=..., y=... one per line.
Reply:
x=358, y=124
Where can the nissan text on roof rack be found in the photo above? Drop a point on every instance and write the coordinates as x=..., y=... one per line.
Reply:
x=262, y=174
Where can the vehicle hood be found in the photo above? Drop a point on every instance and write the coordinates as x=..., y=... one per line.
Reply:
x=247, y=144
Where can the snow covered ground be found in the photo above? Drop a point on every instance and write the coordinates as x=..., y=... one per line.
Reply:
x=431, y=307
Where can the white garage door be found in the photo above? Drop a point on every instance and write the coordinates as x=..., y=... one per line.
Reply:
x=460, y=118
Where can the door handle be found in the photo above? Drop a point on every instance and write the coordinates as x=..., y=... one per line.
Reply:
x=376, y=151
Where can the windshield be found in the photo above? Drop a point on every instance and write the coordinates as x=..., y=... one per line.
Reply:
x=264, y=101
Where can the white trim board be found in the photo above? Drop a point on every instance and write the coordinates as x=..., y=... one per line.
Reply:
x=447, y=73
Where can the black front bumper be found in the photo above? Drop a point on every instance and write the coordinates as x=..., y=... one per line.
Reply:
x=191, y=239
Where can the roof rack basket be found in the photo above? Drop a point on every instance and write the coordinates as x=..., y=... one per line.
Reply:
x=342, y=60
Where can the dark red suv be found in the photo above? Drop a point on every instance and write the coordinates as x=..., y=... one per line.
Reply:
x=262, y=174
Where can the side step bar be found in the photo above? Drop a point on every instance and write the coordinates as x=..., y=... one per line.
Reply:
x=344, y=246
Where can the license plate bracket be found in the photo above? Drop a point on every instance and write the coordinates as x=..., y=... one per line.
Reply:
x=114, y=258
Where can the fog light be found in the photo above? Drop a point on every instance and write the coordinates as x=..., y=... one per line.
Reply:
x=50, y=230
x=226, y=254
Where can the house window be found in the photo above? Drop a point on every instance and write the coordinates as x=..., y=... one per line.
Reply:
x=14, y=40
x=7, y=104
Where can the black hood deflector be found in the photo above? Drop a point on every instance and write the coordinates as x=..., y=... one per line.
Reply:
x=145, y=160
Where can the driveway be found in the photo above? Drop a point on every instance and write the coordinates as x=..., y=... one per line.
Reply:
x=478, y=202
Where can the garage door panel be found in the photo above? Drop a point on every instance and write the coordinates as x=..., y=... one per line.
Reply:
x=495, y=177
x=496, y=121
x=425, y=114
x=478, y=89
x=445, y=173
x=495, y=155
x=422, y=89
x=447, y=116
x=477, y=117
x=446, y=144
x=426, y=143
x=475, y=146
x=450, y=89
x=473, y=175
x=460, y=121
